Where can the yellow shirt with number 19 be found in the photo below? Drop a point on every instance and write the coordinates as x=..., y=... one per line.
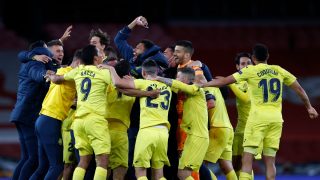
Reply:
x=265, y=84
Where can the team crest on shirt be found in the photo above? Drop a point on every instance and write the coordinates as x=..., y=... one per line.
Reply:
x=240, y=72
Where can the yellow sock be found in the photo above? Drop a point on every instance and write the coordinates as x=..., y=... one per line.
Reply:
x=143, y=178
x=214, y=177
x=231, y=175
x=189, y=178
x=252, y=175
x=100, y=174
x=245, y=176
x=78, y=173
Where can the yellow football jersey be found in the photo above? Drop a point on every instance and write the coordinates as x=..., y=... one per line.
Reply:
x=67, y=123
x=91, y=84
x=195, y=113
x=241, y=91
x=265, y=84
x=119, y=105
x=154, y=111
x=218, y=115
x=59, y=98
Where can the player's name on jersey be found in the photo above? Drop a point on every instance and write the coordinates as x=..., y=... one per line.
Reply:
x=154, y=86
x=267, y=71
x=88, y=73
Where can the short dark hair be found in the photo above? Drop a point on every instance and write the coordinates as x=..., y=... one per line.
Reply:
x=104, y=36
x=36, y=44
x=77, y=55
x=88, y=53
x=187, y=45
x=150, y=66
x=111, y=53
x=147, y=43
x=54, y=43
x=260, y=51
x=172, y=46
x=240, y=55
x=122, y=68
x=189, y=72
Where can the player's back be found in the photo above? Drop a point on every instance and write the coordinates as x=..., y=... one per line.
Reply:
x=154, y=111
x=265, y=86
x=91, y=84
x=195, y=112
x=118, y=106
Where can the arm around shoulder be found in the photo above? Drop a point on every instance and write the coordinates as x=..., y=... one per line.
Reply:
x=243, y=96
x=220, y=82
x=36, y=71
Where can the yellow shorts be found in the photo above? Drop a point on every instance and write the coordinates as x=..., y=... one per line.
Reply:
x=68, y=148
x=220, y=144
x=66, y=124
x=151, y=145
x=92, y=135
x=193, y=153
x=119, y=149
x=237, y=146
x=263, y=134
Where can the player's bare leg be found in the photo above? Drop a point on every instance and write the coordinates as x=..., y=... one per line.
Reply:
x=119, y=173
x=140, y=172
x=246, y=168
x=247, y=159
x=184, y=173
x=102, y=160
x=102, y=165
x=84, y=161
x=227, y=169
x=226, y=166
x=80, y=170
x=157, y=173
x=68, y=171
x=269, y=162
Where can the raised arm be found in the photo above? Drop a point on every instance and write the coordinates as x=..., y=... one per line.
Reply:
x=305, y=99
x=66, y=34
x=122, y=44
x=120, y=39
x=139, y=21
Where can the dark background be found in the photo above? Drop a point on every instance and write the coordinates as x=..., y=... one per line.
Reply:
x=218, y=29
x=28, y=17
